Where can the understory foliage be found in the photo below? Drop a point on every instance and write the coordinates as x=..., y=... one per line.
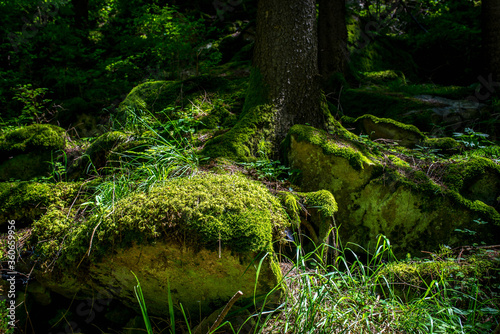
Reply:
x=380, y=294
x=452, y=291
x=142, y=170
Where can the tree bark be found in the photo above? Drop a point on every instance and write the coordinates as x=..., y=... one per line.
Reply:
x=491, y=38
x=332, y=33
x=285, y=66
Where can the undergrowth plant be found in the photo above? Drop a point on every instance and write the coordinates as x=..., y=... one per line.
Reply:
x=360, y=294
x=377, y=293
x=166, y=151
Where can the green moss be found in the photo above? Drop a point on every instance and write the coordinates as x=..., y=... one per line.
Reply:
x=36, y=137
x=420, y=273
x=408, y=128
x=241, y=142
x=156, y=96
x=317, y=207
x=26, y=201
x=446, y=143
x=397, y=161
x=382, y=76
x=202, y=211
x=216, y=116
x=460, y=174
x=101, y=148
x=382, y=54
x=419, y=182
x=329, y=144
x=257, y=93
x=322, y=200
x=490, y=152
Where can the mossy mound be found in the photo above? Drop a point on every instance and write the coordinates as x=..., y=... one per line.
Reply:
x=316, y=212
x=476, y=179
x=211, y=209
x=36, y=137
x=100, y=150
x=155, y=97
x=199, y=234
x=387, y=104
x=241, y=142
x=345, y=149
x=462, y=272
x=381, y=77
x=27, y=152
x=386, y=128
x=392, y=199
x=27, y=201
x=446, y=144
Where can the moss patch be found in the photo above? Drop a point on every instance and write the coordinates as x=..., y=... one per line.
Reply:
x=447, y=144
x=476, y=179
x=203, y=211
x=331, y=145
x=155, y=96
x=36, y=137
x=242, y=141
x=404, y=134
x=381, y=103
x=27, y=201
x=101, y=148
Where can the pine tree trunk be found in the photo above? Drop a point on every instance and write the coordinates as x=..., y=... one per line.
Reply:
x=491, y=37
x=332, y=33
x=285, y=64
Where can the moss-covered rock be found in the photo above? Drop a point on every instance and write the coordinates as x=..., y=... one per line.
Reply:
x=386, y=104
x=197, y=235
x=410, y=209
x=27, y=152
x=27, y=201
x=464, y=272
x=241, y=142
x=154, y=97
x=386, y=128
x=476, y=179
x=380, y=77
x=446, y=144
x=101, y=148
x=36, y=137
x=314, y=210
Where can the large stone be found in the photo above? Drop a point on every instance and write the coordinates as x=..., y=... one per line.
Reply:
x=28, y=152
x=374, y=198
x=386, y=128
x=202, y=239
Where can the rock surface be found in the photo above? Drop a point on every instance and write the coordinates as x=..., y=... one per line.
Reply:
x=402, y=204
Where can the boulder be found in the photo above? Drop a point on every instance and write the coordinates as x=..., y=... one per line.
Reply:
x=386, y=128
x=375, y=198
x=27, y=152
x=201, y=238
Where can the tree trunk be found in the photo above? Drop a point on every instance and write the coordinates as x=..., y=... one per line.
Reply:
x=285, y=70
x=491, y=38
x=332, y=33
